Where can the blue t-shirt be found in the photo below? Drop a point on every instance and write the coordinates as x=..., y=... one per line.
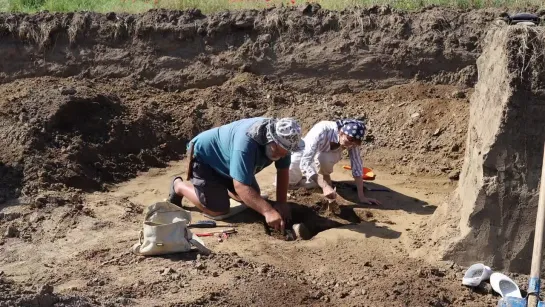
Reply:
x=232, y=153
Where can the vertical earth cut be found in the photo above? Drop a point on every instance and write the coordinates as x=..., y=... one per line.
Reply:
x=491, y=216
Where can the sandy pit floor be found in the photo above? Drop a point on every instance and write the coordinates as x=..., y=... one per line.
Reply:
x=85, y=254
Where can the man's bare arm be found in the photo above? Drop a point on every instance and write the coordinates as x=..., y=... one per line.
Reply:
x=282, y=182
x=252, y=199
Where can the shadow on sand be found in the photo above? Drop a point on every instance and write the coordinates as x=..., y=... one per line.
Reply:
x=352, y=216
x=391, y=200
x=316, y=220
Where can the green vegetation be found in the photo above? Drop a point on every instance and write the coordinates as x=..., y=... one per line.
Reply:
x=208, y=6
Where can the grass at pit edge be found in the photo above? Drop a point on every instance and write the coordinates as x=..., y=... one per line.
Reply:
x=211, y=6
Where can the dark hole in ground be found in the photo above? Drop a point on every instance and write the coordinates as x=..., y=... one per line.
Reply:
x=313, y=212
x=11, y=181
x=311, y=216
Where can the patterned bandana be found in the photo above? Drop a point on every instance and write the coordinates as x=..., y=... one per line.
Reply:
x=286, y=132
x=352, y=127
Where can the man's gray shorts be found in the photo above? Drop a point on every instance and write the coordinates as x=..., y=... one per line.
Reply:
x=211, y=187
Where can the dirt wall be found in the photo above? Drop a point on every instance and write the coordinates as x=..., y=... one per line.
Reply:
x=491, y=217
x=90, y=99
x=309, y=48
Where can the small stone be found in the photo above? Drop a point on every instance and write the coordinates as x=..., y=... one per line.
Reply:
x=317, y=295
x=262, y=269
x=437, y=132
x=367, y=263
x=265, y=38
x=68, y=91
x=167, y=271
x=175, y=277
x=11, y=232
x=199, y=265
x=458, y=94
x=40, y=200
x=36, y=217
x=454, y=175
x=45, y=289
x=325, y=298
x=363, y=292
x=78, y=206
x=245, y=68
x=111, y=16
x=305, y=9
x=215, y=274
x=101, y=283
x=415, y=115
x=455, y=148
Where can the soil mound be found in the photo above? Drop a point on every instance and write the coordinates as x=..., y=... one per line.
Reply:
x=491, y=217
x=15, y=295
x=343, y=51
x=79, y=137
x=70, y=134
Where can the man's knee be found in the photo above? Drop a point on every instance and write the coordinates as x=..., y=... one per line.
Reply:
x=181, y=187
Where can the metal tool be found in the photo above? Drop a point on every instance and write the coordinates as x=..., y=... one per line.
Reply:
x=208, y=224
x=534, y=284
x=212, y=233
x=203, y=224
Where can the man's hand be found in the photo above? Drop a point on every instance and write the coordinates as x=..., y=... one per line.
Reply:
x=329, y=192
x=369, y=201
x=252, y=199
x=273, y=219
x=284, y=210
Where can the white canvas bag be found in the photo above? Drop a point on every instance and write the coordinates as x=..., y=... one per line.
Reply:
x=165, y=232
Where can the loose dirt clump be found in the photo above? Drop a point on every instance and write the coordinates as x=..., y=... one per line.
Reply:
x=80, y=138
x=15, y=295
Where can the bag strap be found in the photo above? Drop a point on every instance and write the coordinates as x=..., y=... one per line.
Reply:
x=195, y=241
x=203, y=249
